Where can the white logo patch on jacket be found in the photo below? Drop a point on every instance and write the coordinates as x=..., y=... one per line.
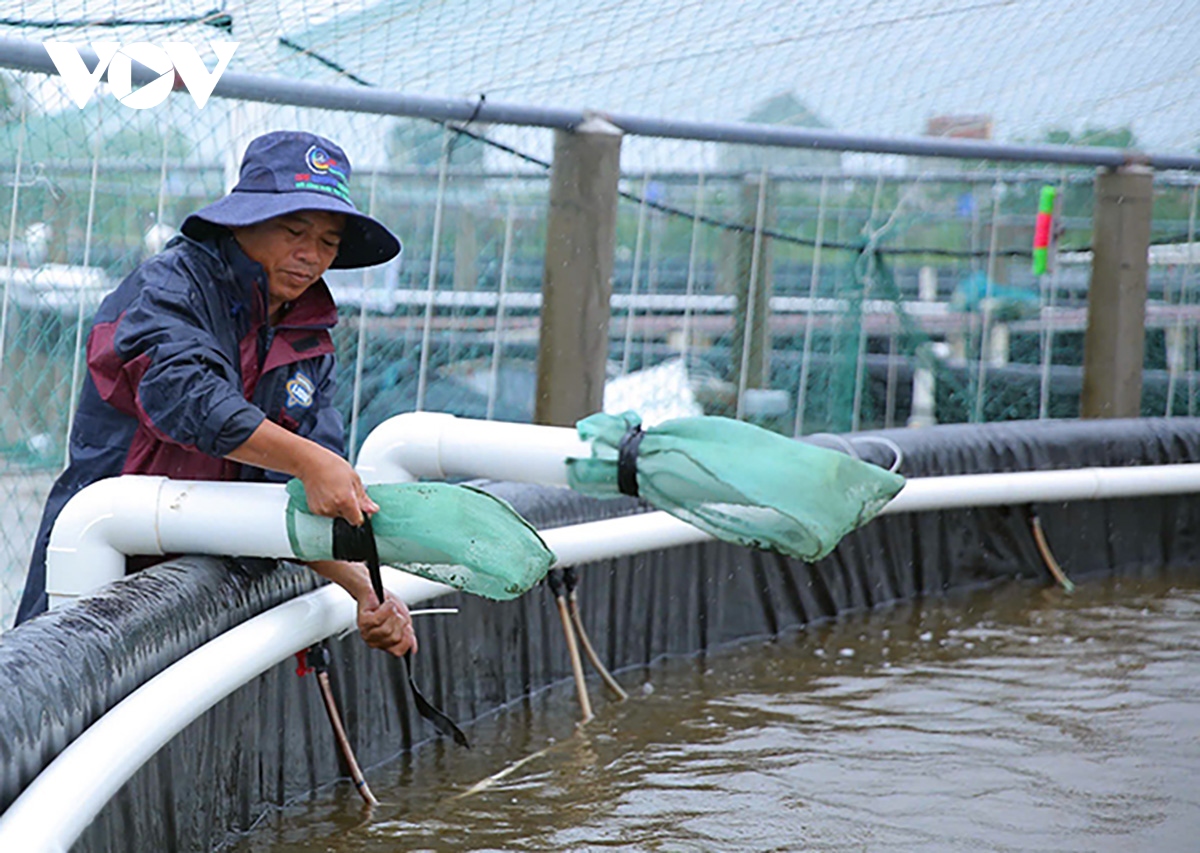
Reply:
x=300, y=391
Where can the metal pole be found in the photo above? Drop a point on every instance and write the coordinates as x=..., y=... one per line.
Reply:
x=1176, y=339
x=637, y=268
x=427, y=328
x=986, y=312
x=817, y=139
x=1190, y=351
x=889, y=405
x=655, y=226
x=810, y=317
x=360, y=352
x=32, y=56
x=498, y=340
x=748, y=321
x=76, y=360
x=162, y=179
x=691, y=273
x=835, y=334
x=12, y=236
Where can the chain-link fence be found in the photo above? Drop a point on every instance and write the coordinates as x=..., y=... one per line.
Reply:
x=809, y=291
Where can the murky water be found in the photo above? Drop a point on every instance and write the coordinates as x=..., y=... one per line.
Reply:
x=1018, y=719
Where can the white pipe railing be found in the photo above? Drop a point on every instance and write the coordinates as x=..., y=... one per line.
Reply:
x=437, y=446
x=655, y=530
x=58, y=805
x=128, y=515
x=96, y=764
x=191, y=517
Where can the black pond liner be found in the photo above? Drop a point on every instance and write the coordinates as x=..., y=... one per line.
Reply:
x=269, y=741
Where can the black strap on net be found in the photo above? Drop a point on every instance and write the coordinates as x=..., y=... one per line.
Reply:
x=627, y=453
x=358, y=543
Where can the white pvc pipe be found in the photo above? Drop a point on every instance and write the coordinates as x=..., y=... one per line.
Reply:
x=62, y=800
x=599, y=540
x=618, y=537
x=437, y=446
x=154, y=515
x=118, y=516
x=923, y=494
x=95, y=765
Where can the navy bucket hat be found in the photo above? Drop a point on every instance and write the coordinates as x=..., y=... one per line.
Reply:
x=289, y=171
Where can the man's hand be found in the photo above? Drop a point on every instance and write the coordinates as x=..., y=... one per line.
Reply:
x=333, y=487
x=386, y=626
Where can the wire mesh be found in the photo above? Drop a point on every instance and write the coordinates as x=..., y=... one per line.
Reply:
x=806, y=291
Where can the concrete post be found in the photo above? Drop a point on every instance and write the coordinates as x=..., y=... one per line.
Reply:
x=1116, y=330
x=753, y=289
x=577, y=283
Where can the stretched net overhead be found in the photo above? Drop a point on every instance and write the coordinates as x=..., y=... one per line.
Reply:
x=865, y=280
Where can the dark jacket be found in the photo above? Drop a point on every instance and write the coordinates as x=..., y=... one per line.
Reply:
x=182, y=368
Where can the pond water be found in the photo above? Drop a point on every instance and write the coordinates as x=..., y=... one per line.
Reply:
x=1018, y=718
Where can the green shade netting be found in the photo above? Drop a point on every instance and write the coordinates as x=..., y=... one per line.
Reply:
x=738, y=482
x=456, y=535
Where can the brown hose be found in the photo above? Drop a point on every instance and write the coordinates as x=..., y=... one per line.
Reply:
x=554, y=579
x=339, y=733
x=1039, y=537
x=605, y=675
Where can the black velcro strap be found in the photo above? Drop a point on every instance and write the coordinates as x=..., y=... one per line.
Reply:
x=358, y=543
x=627, y=453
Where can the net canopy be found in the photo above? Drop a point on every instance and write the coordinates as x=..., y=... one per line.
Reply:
x=886, y=289
x=873, y=66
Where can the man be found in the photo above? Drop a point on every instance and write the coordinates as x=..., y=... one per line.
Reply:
x=213, y=359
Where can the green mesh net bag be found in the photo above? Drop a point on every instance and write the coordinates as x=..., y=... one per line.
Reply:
x=733, y=480
x=456, y=535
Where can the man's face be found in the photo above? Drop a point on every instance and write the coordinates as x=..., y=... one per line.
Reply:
x=295, y=249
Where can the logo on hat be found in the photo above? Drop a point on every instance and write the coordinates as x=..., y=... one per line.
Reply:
x=323, y=174
x=318, y=160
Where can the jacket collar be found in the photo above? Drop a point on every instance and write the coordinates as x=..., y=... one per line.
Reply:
x=315, y=309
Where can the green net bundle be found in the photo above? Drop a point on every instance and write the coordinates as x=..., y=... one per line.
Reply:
x=456, y=535
x=736, y=481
